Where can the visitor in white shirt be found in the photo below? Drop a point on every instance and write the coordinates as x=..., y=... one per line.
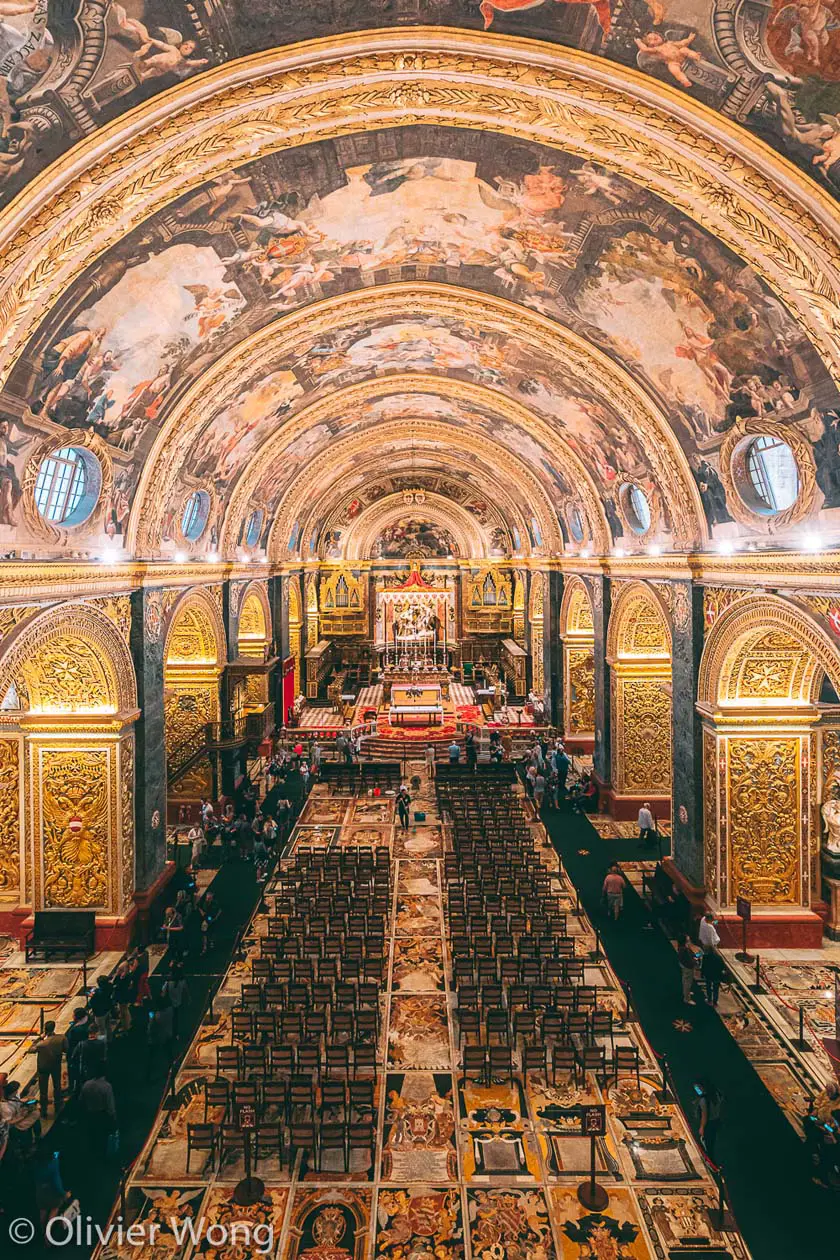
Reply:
x=708, y=934
x=647, y=827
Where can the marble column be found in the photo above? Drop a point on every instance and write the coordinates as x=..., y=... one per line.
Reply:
x=686, y=605
x=600, y=590
x=146, y=643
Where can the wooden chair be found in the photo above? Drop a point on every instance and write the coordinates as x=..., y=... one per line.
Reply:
x=501, y=1063
x=228, y=1059
x=475, y=1064
x=535, y=1059
x=201, y=1137
x=303, y=1136
x=361, y=1137
x=563, y=1060
x=231, y=1139
x=217, y=1094
x=268, y=1140
x=626, y=1061
x=333, y=1137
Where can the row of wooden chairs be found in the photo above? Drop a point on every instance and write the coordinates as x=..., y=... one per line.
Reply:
x=486, y=1064
x=313, y=1138
x=286, y=1097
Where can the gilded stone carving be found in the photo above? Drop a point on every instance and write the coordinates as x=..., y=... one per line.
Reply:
x=11, y=617
x=764, y=819
x=127, y=818
x=576, y=609
x=10, y=820
x=807, y=500
x=752, y=620
x=195, y=631
x=638, y=626
x=75, y=826
x=116, y=608
x=716, y=600
x=642, y=736
x=580, y=696
x=187, y=711
x=70, y=658
x=710, y=820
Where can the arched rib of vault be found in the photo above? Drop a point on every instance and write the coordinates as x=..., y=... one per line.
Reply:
x=735, y=186
x=463, y=394
x=568, y=351
x=421, y=436
x=364, y=531
x=329, y=512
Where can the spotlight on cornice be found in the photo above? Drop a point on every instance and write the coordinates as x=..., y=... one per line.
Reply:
x=111, y=556
x=618, y=552
x=180, y=557
x=212, y=557
x=812, y=542
x=654, y=549
x=586, y=552
x=725, y=547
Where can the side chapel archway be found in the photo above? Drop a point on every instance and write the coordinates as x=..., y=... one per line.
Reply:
x=577, y=632
x=194, y=657
x=639, y=653
x=771, y=752
x=68, y=703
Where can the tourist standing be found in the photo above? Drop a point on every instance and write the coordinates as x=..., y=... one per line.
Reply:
x=613, y=891
x=454, y=753
x=708, y=934
x=647, y=826
x=403, y=804
x=687, y=958
x=50, y=1050
x=712, y=969
x=430, y=760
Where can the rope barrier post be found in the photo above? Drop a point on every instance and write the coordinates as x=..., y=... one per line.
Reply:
x=664, y=1094
x=123, y=1178
x=209, y=1014
x=41, y=1018
x=757, y=988
x=800, y=1043
x=596, y=954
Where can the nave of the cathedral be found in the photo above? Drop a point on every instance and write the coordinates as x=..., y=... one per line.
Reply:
x=419, y=629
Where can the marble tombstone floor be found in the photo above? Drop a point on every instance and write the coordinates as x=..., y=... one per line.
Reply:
x=459, y=1171
x=766, y=1025
x=27, y=990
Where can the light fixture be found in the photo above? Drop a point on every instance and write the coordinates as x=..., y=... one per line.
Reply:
x=586, y=552
x=618, y=552
x=725, y=547
x=180, y=557
x=654, y=550
x=110, y=556
x=812, y=542
x=212, y=557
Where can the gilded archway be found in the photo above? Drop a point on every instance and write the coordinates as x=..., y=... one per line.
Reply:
x=296, y=630
x=577, y=632
x=765, y=739
x=68, y=701
x=194, y=656
x=639, y=653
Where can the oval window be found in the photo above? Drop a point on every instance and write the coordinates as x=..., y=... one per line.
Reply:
x=67, y=486
x=576, y=526
x=195, y=514
x=769, y=482
x=252, y=529
x=636, y=508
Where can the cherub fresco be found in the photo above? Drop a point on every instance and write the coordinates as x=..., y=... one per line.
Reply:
x=155, y=56
x=668, y=50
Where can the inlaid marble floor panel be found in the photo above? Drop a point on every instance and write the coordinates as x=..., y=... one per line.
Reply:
x=460, y=1171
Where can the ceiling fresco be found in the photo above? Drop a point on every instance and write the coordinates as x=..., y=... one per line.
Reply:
x=69, y=66
x=670, y=305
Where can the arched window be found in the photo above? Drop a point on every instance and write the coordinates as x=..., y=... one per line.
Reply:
x=196, y=511
x=68, y=485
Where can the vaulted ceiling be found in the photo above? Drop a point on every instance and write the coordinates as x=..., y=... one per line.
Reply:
x=396, y=271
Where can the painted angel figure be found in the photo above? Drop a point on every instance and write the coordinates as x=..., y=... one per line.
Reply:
x=810, y=26
x=667, y=50
x=155, y=57
x=212, y=306
x=823, y=135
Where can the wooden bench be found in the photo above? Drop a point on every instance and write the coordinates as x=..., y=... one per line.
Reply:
x=61, y=933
